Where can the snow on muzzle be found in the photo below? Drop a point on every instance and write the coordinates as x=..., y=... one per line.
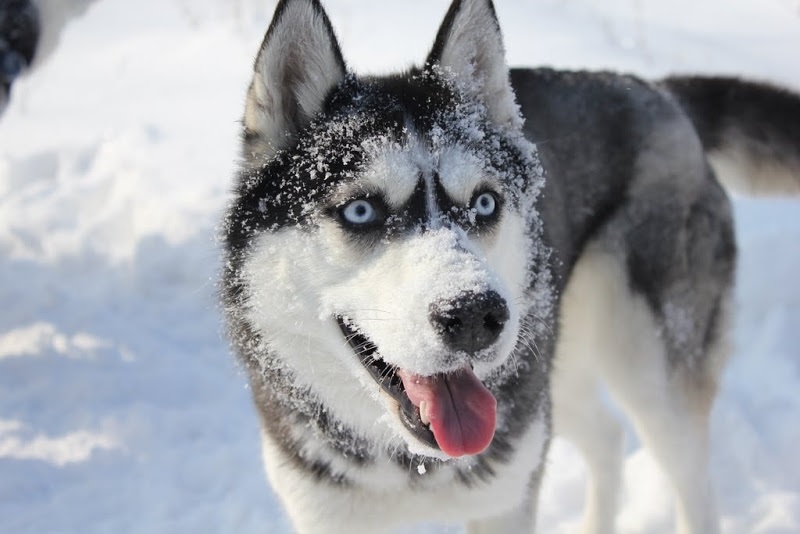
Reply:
x=452, y=411
x=448, y=315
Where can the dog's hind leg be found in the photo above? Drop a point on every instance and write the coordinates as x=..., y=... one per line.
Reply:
x=668, y=402
x=670, y=408
x=610, y=333
x=676, y=434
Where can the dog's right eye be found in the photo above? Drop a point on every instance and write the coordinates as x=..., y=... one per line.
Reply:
x=359, y=212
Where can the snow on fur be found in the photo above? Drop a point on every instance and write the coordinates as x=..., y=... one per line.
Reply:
x=114, y=161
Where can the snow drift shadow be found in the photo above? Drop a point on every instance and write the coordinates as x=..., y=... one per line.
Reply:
x=117, y=374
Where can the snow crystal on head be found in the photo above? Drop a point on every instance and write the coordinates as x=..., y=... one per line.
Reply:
x=442, y=253
x=287, y=187
x=436, y=263
x=505, y=155
x=291, y=271
x=388, y=299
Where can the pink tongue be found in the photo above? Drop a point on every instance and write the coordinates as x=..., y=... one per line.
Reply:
x=462, y=411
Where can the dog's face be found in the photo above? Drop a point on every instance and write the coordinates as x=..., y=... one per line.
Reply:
x=380, y=240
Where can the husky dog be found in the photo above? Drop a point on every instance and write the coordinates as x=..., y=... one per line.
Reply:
x=428, y=273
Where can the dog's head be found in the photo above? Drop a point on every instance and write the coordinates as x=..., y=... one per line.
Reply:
x=383, y=231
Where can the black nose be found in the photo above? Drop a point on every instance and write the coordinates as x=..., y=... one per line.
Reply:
x=470, y=322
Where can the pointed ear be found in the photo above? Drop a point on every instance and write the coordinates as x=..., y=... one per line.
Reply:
x=298, y=64
x=470, y=45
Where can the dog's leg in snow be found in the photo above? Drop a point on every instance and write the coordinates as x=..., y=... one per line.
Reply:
x=671, y=411
x=677, y=436
x=581, y=417
x=669, y=408
x=580, y=414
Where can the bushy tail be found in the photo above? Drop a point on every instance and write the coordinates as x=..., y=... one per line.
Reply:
x=751, y=131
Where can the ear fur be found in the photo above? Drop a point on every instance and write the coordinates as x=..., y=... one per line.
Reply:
x=299, y=62
x=469, y=45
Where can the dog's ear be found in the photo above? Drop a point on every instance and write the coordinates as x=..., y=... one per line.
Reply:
x=298, y=64
x=469, y=45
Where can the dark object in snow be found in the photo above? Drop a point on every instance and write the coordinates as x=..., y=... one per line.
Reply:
x=19, y=36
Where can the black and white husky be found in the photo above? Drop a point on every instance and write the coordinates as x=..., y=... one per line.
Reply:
x=421, y=294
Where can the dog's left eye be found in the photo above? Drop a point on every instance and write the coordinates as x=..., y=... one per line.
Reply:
x=485, y=204
x=359, y=212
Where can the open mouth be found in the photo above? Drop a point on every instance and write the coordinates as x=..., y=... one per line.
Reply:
x=453, y=412
x=387, y=377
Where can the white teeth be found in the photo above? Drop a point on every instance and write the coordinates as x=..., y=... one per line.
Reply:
x=423, y=413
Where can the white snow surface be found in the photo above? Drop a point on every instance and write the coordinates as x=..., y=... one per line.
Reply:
x=120, y=407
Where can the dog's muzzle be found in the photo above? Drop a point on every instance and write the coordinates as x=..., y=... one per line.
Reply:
x=451, y=411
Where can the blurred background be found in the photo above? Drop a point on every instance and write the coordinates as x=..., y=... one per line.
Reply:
x=120, y=407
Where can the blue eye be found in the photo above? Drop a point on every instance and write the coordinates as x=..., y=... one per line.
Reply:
x=485, y=205
x=359, y=212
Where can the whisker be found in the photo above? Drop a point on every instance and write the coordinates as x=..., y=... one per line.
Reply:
x=515, y=362
x=527, y=339
x=544, y=323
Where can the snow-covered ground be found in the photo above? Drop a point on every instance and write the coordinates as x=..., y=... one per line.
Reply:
x=120, y=408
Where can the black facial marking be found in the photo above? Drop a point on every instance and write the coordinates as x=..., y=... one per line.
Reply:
x=443, y=201
x=286, y=189
x=416, y=211
x=465, y=215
